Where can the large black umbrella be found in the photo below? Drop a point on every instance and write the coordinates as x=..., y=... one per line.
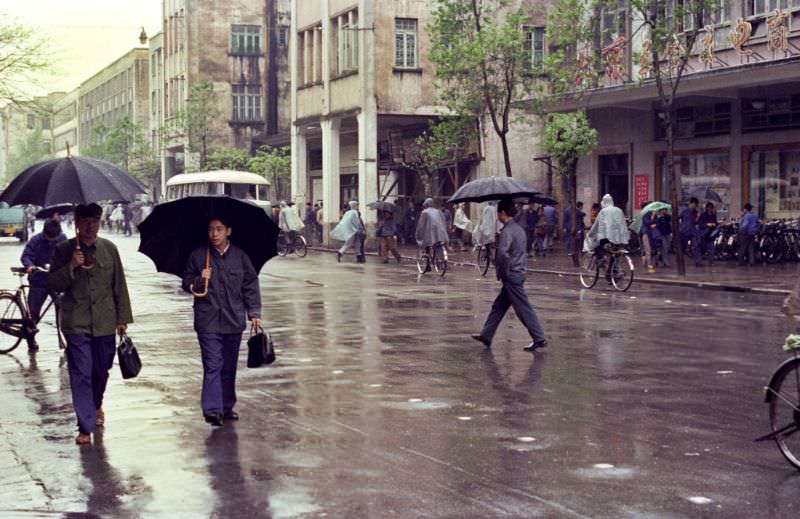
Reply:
x=74, y=180
x=492, y=188
x=174, y=229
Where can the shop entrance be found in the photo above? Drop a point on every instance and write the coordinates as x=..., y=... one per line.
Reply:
x=614, y=178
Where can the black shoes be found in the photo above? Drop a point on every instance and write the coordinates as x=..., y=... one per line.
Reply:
x=481, y=339
x=214, y=419
x=535, y=345
x=33, y=346
x=338, y=257
x=231, y=415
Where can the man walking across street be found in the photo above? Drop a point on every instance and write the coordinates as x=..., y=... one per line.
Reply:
x=219, y=315
x=748, y=228
x=38, y=253
x=88, y=270
x=511, y=266
x=688, y=229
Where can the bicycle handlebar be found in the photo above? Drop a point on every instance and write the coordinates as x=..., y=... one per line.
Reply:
x=21, y=271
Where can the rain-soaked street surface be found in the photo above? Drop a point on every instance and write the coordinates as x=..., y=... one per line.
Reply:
x=645, y=404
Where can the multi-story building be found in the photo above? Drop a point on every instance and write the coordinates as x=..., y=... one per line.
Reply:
x=738, y=115
x=362, y=92
x=119, y=90
x=19, y=121
x=157, y=99
x=65, y=124
x=237, y=47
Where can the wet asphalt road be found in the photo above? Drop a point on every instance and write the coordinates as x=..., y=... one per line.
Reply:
x=380, y=405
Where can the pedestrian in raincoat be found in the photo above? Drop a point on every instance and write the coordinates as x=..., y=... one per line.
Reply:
x=609, y=227
x=511, y=266
x=350, y=230
x=88, y=270
x=386, y=232
x=486, y=231
x=220, y=315
x=289, y=222
x=118, y=217
x=462, y=225
x=431, y=227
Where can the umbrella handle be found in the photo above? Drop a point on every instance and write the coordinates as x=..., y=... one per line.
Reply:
x=204, y=293
x=84, y=266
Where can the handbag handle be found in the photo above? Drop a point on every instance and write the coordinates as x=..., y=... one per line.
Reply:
x=256, y=329
x=204, y=293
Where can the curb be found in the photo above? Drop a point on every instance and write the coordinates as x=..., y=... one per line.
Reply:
x=703, y=285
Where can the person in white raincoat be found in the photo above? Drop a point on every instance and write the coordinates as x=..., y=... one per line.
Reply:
x=487, y=229
x=609, y=227
x=431, y=227
x=462, y=224
x=350, y=230
x=289, y=222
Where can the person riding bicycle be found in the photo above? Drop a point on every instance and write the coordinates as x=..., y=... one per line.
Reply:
x=290, y=223
x=609, y=229
x=431, y=227
x=485, y=232
x=38, y=253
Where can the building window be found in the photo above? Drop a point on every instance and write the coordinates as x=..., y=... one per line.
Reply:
x=346, y=33
x=48, y=146
x=703, y=175
x=246, y=103
x=698, y=121
x=614, y=21
x=282, y=35
x=31, y=121
x=775, y=182
x=534, y=46
x=764, y=7
x=45, y=123
x=405, y=43
x=245, y=39
x=773, y=113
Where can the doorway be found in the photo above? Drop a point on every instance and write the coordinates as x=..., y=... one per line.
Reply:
x=614, y=178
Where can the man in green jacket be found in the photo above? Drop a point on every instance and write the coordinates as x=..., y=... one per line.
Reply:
x=88, y=270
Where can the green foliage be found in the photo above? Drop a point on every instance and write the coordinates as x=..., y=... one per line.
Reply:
x=228, y=158
x=275, y=164
x=26, y=153
x=567, y=138
x=482, y=65
x=442, y=147
x=125, y=145
x=23, y=59
x=197, y=122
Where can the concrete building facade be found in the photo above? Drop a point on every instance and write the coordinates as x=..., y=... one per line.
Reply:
x=65, y=124
x=18, y=121
x=156, y=83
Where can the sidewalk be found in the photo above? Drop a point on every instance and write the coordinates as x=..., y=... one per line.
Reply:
x=725, y=275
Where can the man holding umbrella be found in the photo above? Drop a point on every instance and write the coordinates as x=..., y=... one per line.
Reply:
x=225, y=285
x=95, y=305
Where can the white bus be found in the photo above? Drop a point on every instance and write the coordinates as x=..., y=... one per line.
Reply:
x=238, y=184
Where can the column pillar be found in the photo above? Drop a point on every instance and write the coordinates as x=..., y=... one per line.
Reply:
x=299, y=183
x=330, y=176
x=368, y=169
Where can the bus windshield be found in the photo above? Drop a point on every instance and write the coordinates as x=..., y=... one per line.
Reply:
x=241, y=191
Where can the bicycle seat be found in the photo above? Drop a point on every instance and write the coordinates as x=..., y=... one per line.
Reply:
x=19, y=270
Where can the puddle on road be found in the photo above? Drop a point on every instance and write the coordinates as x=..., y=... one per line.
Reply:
x=416, y=405
x=606, y=471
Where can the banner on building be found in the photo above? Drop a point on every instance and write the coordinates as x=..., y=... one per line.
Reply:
x=641, y=190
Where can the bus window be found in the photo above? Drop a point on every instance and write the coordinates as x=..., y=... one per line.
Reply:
x=240, y=191
x=213, y=188
x=263, y=193
x=226, y=189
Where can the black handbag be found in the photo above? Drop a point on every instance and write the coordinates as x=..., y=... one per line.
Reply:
x=129, y=362
x=260, y=350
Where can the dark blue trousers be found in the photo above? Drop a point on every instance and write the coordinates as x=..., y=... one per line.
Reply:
x=695, y=237
x=512, y=294
x=89, y=358
x=220, y=353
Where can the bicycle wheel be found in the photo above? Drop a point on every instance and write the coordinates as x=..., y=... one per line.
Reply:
x=300, y=246
x=484, y=260
x=423, y=261
x=283, y=245
x=622, y=272
x=440, y=259
x=784, y=411
x=11, y=319
x=589, y=271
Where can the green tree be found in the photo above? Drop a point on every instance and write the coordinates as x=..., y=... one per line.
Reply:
x=125, y=145
x=23, y=59
x=567, y=138
x=441, y=149
x=197, y=122
x=668, y=29
x=228, y=158
x=482, y=65
x=275, y=164
x=27, y=152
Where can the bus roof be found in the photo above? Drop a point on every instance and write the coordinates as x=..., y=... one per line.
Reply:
x=225, y=175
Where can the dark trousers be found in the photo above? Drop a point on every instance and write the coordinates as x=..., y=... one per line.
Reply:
x=220, y=354
x=88, y=358
x=36, y=298
x=747, y=249
x=512, y=294
x=695, y=238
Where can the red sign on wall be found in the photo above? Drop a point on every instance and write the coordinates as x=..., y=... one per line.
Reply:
x=641, y=190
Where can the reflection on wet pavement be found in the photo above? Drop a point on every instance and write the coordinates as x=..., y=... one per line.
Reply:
x=380, y=405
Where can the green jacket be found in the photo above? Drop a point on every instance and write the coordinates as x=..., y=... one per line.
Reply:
x=95, y=300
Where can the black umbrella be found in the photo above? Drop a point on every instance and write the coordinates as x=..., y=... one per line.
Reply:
x=492, y=188
x=59, y=209
x=74, y=180
x=381, y=206
x=706, y=193
x=175, y=229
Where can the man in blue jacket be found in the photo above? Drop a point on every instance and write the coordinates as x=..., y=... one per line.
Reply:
x=38, y=253
x=688, y=229
x=511, y=265
x=748, y=228
x=220, y=315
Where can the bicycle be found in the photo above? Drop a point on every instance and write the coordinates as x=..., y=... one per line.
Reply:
x=486, y=256
x=299, y=246
x=619, y=272
x=783, y=396
x=16, y=321
x=435, y=256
